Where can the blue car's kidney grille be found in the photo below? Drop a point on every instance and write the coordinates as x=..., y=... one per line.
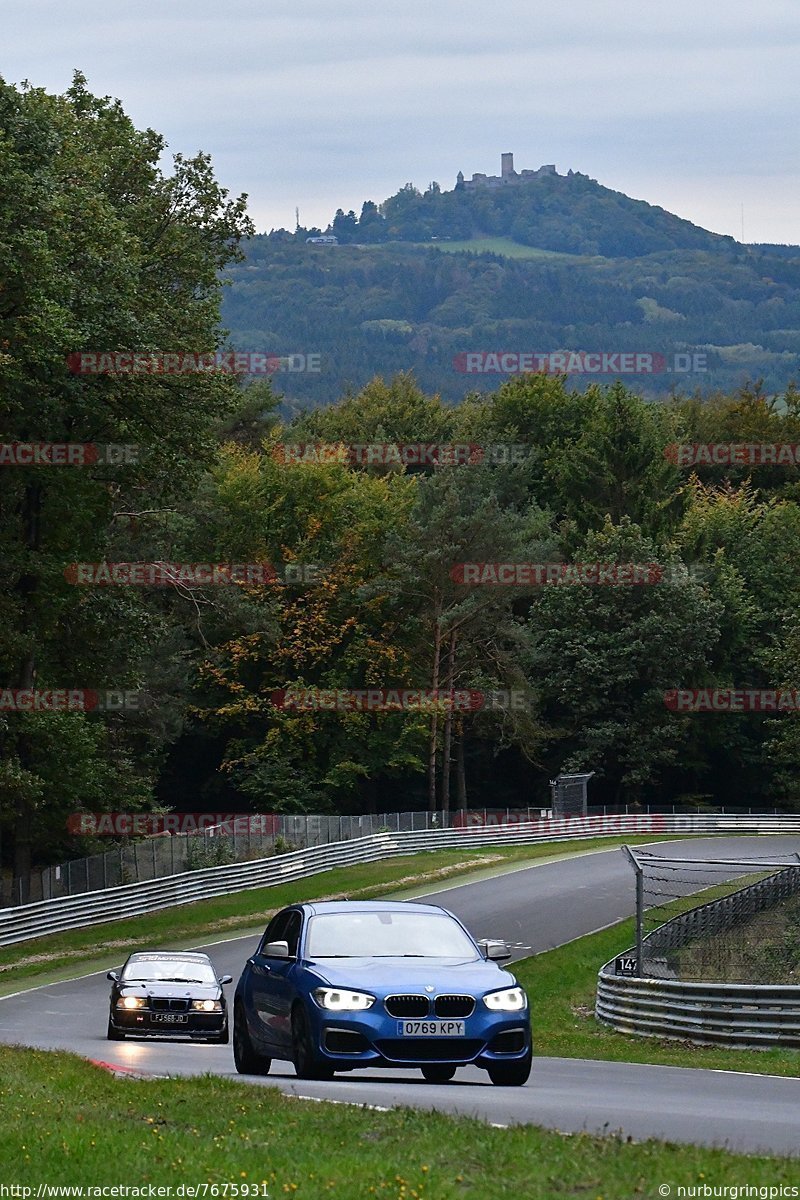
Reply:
x=454, y=1006
x=163, y=1004
x=407, y=1006
x=429, y=1049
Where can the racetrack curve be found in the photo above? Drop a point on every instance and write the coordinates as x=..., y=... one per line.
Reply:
x=534, y=908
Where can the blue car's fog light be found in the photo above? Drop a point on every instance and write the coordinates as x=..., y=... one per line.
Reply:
x=510, y=1042
x=343, y=1041
x=341, y=1000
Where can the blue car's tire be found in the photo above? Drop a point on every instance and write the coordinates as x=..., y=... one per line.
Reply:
x=307, y=1062
x=248, y=1061
x=438, y=1073
x=511, y=1074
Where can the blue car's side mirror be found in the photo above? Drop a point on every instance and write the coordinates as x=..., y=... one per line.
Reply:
x=494, y=949
x=275, y=950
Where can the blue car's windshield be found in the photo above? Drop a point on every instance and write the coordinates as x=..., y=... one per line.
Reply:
x=387, y=935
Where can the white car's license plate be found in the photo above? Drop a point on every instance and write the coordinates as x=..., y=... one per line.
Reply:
x=171, y=1018
x=431, y=1028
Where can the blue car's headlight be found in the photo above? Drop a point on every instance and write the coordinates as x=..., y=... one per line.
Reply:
x=340, y=1000
x=508, y=1000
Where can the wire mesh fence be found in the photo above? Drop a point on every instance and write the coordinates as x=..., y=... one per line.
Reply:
x=238, y=841
x=725, y=921
x=170, y=854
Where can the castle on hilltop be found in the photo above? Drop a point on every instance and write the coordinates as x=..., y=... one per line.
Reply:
x=507, y=175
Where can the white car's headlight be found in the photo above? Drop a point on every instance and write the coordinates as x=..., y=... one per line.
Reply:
x=131, y=1002
x=508, y=1000
x=207, y=1005
x=340, y=1000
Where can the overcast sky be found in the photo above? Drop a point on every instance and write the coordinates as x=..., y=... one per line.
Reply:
x=689, y=104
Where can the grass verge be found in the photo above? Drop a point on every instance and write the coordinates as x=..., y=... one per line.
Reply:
x=242, y=912
x=68, y=1123
x=561, y=986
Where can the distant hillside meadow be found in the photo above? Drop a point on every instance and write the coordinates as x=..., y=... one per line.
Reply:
x=557, y=274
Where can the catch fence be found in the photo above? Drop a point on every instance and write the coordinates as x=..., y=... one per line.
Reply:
x=717, y=953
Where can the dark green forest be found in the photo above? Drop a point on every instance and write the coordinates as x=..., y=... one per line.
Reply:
x=556, y=263
x=100, y=248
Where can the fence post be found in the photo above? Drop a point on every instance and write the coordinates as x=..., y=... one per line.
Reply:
x=639, y=908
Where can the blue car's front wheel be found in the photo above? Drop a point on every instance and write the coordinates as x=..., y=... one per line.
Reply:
x=438, y=1072
x=511, y=1074
x=307, y=1062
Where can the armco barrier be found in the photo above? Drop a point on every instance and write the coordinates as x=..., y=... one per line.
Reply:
x=77, y=912
x=712, y=1014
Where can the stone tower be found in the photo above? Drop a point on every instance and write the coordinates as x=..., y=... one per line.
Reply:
x=507, y=166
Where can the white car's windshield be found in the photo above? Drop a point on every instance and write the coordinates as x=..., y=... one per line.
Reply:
x=168, y=971
x=387, y=935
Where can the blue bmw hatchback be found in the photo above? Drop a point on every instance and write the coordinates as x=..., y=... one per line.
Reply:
x=342, y=985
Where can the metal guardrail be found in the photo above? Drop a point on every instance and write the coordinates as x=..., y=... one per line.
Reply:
x=77, y=912
x=712, y=1014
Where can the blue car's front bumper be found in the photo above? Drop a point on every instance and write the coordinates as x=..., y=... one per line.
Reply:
x=374, y=1038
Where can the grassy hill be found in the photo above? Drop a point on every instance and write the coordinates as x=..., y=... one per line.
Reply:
x=427, y=278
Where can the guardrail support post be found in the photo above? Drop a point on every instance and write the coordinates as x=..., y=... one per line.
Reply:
x=639, y=908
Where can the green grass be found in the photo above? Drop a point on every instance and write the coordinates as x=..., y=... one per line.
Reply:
x=32, y=961
x=561, y=986
x=766, y=947
x=66, y=1122
x=505, y=246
